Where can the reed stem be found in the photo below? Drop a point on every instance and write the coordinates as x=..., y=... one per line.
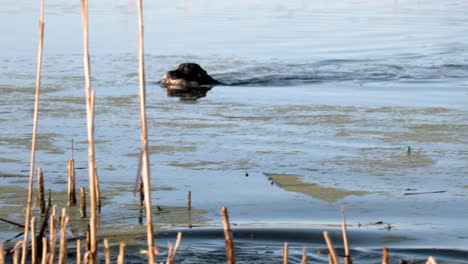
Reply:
x=304, y=256
x=384, y=255
x=331, y=249
x=347, y=257
x=285, y=253
x=90, y=97
x=2, y=254
x=53, y=235
x=71, y=182
x=40, y=191
x=33, y=241
x=121, y=257
x=83, y=202
x=144, y=136
x=63, y=238
x=189, y=200
x=107, y=251
x=27, y=218
x=78, y=252
x=230, y=255
x=44, y=259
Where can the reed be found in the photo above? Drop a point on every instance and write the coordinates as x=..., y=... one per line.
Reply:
x=121, y=257
x=63, y=237
x=16, y=251
x=90, y=97
x=331, y=249
x=44, y=257
x=431, y=260
x=347, y=257
x=304, y=259
x=53, y=235
x=40, y=191
x=230, y=254
x=83, y=202
x=78, y=251
x=172, y=252
x=189, y=200
x=142, y=194
x=71, y=182
x=2, y=254
x=144, y=136
x=384, y=255
x=33, y=241
x=107, y=251
x=98, y=191
x=27, y=218
x=285, y=253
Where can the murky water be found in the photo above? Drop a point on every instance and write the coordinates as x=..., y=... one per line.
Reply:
x=360, y=104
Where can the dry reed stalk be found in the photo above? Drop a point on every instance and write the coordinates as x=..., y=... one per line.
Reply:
x=121, y=257
x=347, y=257
x=27, y=218
x=33, y=241
x=384, y=255
x=44, y=259
x=83, y=202
x=285, y=253
x=16, y=251
x=144, y=136
x=431, y=260
x=71, y=182
x=189, y=200
x=78, y=251
x=53, y=235
x=2, y=254
x=304, y=256
x=90, y=96
x=40, y=191
x=142, y=194
x=87, y=257
x=331, y=249
x=172, y=252
x=230, y=255
x=98, y=190
x=63, y=237
x=107, y=251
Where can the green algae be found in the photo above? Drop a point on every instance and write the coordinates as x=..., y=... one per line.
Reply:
x=295, y=183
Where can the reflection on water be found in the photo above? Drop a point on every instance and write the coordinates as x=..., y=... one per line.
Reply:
x=189, y=94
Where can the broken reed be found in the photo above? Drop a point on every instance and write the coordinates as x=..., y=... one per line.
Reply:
x=71, y=182
x=90, y=98
x=230, y=254
x=40, y=191
x=27, y=217
x=144, y=137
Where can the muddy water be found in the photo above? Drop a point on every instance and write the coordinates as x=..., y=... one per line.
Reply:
x=328, y=104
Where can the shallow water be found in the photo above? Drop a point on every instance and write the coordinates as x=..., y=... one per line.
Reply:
x=323, y=101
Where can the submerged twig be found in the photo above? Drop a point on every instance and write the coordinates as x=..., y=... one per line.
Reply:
x=11, y=222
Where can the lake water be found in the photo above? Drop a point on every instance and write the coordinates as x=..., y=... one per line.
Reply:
x=361, y=104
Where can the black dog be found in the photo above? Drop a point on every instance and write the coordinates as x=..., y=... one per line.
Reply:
x=188, y=76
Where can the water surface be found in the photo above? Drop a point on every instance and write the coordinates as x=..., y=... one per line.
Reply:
x=324, y=99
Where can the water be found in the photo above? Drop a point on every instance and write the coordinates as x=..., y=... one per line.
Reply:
x=324, y=99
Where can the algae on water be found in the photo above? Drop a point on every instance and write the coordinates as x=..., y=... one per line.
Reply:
x=296, y=183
